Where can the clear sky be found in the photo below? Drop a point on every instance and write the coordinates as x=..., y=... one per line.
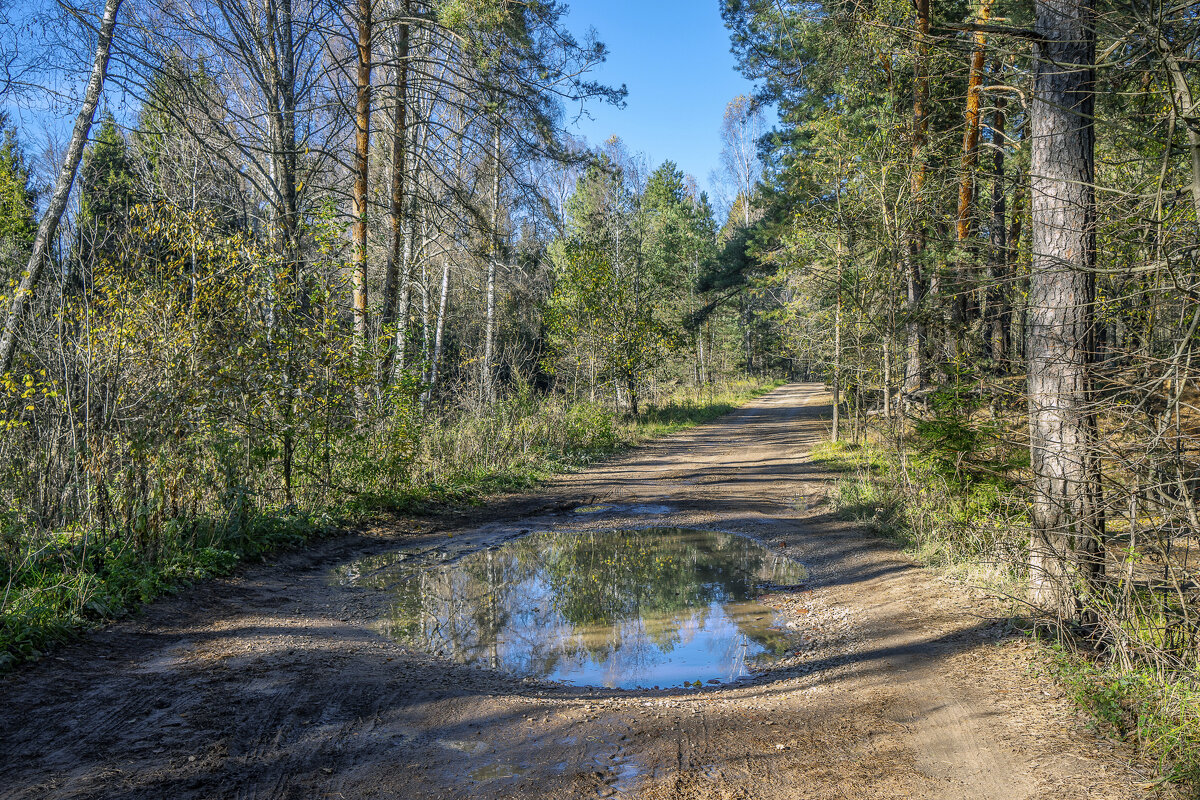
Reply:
x=673, y=55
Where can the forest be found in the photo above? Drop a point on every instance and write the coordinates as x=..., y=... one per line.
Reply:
x=289, y=265
x=323, y=260
x=984, y=218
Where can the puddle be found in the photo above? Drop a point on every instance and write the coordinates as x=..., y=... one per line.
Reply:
x=630, y=609
x=650, y=508
x=636, y=508
x=592, y=509
x=498, y=772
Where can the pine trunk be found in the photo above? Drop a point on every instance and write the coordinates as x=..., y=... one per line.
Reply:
x=362, y=147
x=1065, y=553
x=999, y=313
x=959, y=284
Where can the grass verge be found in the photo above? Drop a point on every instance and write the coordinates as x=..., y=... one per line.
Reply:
x=976, y=532
x=1158, y=714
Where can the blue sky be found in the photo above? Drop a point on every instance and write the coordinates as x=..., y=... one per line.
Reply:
x=674, y=57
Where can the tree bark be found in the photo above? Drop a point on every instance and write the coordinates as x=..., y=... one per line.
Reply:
x=837, y=351
x=887, y=376
x=1016, y=222
x=914, y=245
x=999, y=313
x=489, y=332
x=391, y=280
x=1068, y=525
x=406, y=259
x=439, y=326
x=48, y=227
x=362, y=146
x=957, y=288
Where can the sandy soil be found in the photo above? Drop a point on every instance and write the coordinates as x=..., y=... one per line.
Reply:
x=276, y=684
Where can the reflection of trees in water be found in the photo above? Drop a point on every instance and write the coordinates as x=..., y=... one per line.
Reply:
x=621, y=600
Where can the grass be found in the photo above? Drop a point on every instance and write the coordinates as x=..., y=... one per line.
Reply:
x=70, y=580
x=967, y=530
x=1158, y=714
x=69, y=583
x=976, y=533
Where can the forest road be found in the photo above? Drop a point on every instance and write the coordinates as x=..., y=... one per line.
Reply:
x=277, y=683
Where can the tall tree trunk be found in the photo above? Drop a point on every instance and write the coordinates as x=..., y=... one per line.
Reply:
x=1065, y=552
x=425, y=328
x=439, y=326
x=914, y=245
x=837, y=351
x=489, y=331
x=999, y=314
x=362, y=147
x=1016, y=221
x=362, y=150
x=400, y=58
x=887, y=375
x=44, y=238
x=958, y=285
x=407, y=258
x=281, y=67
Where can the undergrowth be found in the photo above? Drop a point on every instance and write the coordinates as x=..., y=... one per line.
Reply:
x=58, y=583
x=1159, y=714
x=967, y=528
x=973, y=525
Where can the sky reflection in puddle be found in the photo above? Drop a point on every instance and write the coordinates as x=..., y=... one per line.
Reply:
x=629, y=609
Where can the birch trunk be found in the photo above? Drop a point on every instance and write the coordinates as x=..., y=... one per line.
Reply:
x=439, y=326
x=48, y=227
x=489, y=332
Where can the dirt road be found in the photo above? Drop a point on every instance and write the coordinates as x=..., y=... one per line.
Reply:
x=276, y=684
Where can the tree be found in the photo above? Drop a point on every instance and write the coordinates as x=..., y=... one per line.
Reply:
x=363, y=17
x=1068, y=523
x=108, y=190
x=741, y=129
x=48, y=226
x=680, y=247
x=17, y=201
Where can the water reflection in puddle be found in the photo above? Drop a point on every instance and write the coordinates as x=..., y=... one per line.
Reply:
x=592, y=509
x=498, y=772
x=629, y=609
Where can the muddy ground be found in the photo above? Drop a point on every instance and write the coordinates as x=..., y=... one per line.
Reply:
x=277, y=684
